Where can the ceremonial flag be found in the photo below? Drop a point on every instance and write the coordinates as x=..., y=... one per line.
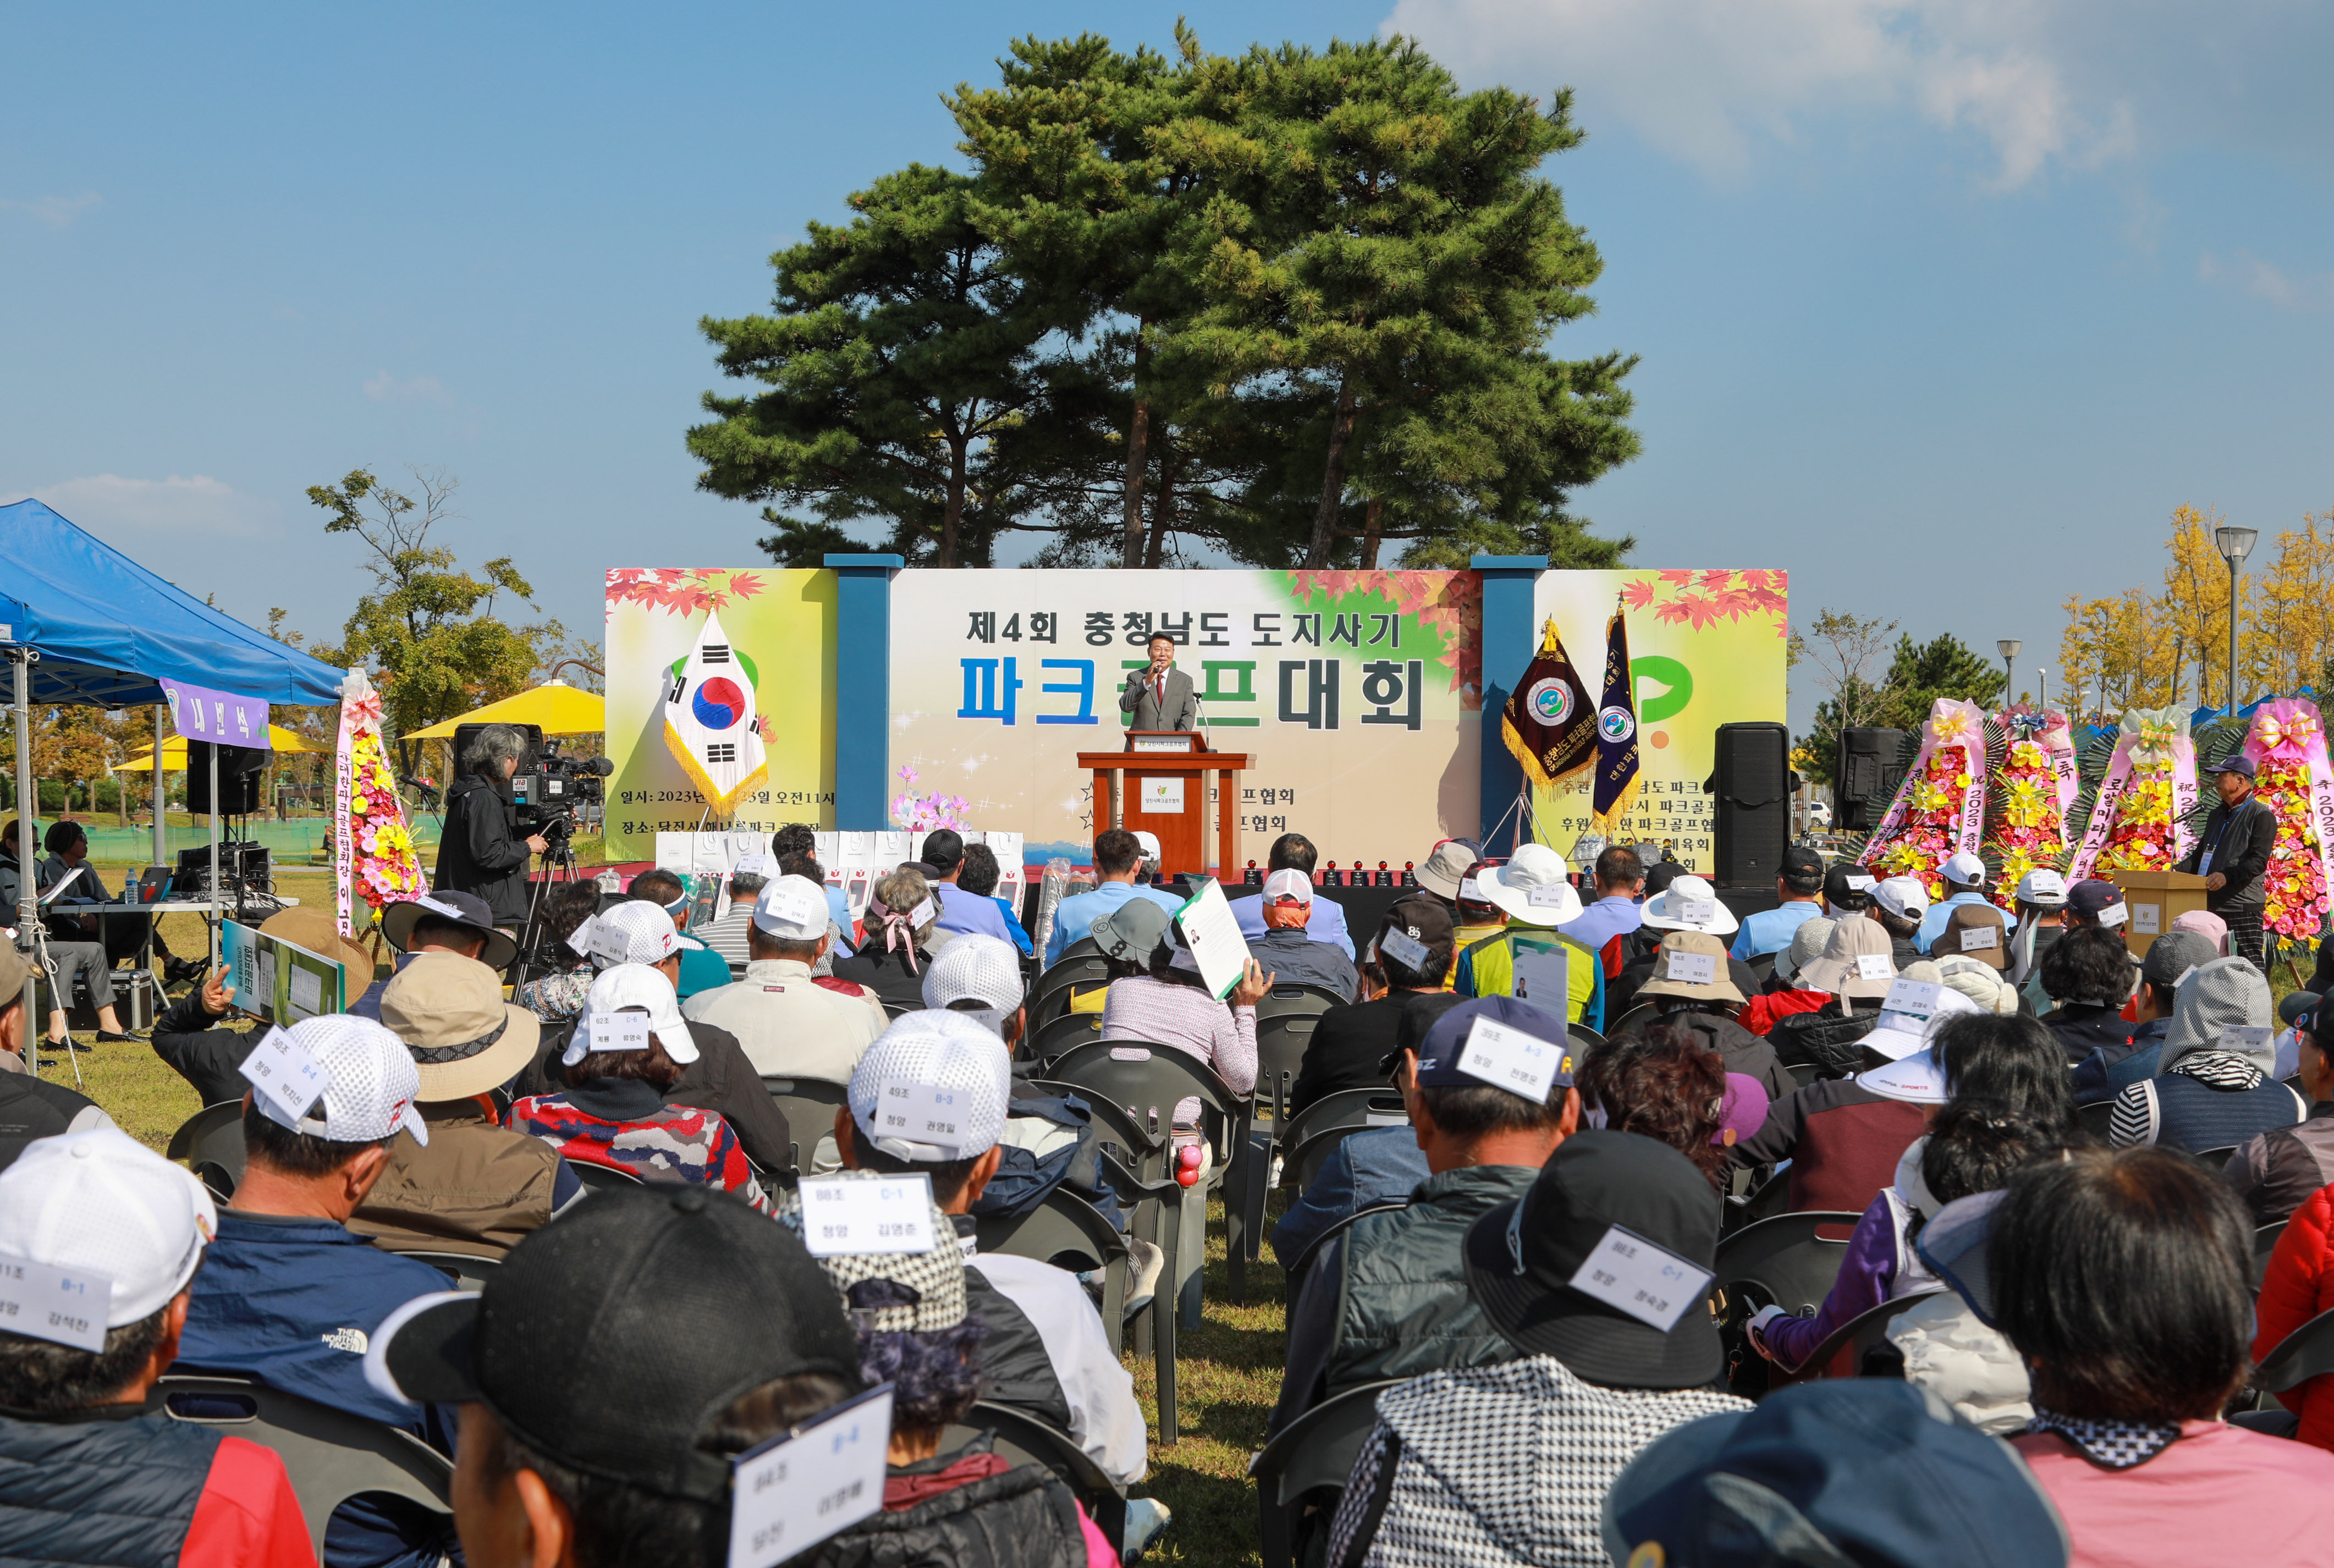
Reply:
x=711, y=720
x=1616, y=731
x=1547, y=722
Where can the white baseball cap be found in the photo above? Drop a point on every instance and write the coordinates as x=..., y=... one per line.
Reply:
x=633, y=931
x=1965, y=869
x=1899, y=1034
x=1150, y=842
x=373, y=1085
x=1689, y=904
x=977, y=977
x=762, y=866
x=1917, y=1078
x=929, y=1078
x=792, y=909
x=1289, y=885
x=2042, y=887
x=100, y=1202
x=626, y=987
x=1902, y=897
x=1535, y=886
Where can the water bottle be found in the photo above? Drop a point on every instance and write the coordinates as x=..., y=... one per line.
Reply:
x=130, y=889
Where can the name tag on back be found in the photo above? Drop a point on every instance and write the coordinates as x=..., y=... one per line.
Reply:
x=843, y=1216
x=1649, y=1282
x=793, y=1492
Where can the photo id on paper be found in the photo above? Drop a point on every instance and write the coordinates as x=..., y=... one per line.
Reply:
x=797, y=1490
x=1511, y=1058
x=1648, y=1282
x=845, y=1215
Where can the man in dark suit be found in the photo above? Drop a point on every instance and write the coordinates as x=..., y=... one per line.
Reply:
x=1160, y=696
x=2232, y=854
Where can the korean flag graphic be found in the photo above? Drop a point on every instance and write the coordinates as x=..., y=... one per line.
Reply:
x=711, y=721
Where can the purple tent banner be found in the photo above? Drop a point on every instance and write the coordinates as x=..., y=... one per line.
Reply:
x=199, y=713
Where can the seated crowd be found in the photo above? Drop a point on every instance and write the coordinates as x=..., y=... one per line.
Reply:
x=1512, y=1280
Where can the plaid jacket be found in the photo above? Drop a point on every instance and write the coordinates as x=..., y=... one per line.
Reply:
x=624, y=1125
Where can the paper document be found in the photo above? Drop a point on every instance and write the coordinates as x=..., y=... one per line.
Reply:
x=1212, y=932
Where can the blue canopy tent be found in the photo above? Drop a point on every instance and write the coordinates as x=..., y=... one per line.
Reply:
x=82, y=622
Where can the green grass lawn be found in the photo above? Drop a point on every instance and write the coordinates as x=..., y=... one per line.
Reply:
x=1227, y=1370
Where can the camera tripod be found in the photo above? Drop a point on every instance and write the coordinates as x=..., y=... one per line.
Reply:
x=558, y=859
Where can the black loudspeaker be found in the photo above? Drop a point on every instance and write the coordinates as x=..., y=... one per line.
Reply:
x=1753, y=785
x=1871, y=762
x=239, y=767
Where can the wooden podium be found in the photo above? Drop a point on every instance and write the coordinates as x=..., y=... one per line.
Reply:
x=2154, y=899
x=1167, y=772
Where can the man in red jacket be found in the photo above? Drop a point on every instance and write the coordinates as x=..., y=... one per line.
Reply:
x=99, y=1240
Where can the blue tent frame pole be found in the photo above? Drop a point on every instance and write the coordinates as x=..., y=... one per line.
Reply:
x=28, y=894
x=216, y=897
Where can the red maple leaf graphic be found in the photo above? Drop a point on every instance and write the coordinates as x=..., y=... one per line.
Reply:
x=1678, y=576
x=1715, y=579
x=1637, y=595
x=1671, y=613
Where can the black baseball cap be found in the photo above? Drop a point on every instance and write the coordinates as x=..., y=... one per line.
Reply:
x=2298, y=1011
x=1446, y=1038
x=1521, y=1256
x=2093, y=897
x=1420, y=916
x=1865, y=1470
x=611, y=1341
x=943, y=847
x=1798, y=861
x=1848, y=885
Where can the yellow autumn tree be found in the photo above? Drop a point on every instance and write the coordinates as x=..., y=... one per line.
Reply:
x=2125, y=651
x=2197, y=599
x=2286, y=638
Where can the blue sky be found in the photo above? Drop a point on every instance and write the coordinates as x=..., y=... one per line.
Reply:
x=1944, y=305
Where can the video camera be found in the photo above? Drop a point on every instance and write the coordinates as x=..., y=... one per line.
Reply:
x=547, y=786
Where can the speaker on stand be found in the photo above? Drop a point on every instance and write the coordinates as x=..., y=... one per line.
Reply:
x=1751, y=805
x=1871, y=764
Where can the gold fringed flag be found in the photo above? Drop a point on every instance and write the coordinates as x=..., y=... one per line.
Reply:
x=711, y=724
x=1547, y=722
x=1617, y=731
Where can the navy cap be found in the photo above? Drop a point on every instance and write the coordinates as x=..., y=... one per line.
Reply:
x=1864, y=1470
x=1438, y=1052
x=2093, y=897
x=2236, y=762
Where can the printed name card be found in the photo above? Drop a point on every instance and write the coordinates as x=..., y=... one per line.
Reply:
x=1649, y=1282
x=1857, y=882
x=1511, y=1058
x=1690, y=968
x=1403, y=949
x=842, y=1215
x=603, y=942
x=1697, y=911
x=921, y=1113
x=1875, y=966
x=64, y=1306
x=1915, y=998
x=2245, y=1037
x=1980, y=938
x=791, y=906
x=1471, y=891
x=795, y=1491
x=1546, y=897
x=616, y=1031
x=279, y=1069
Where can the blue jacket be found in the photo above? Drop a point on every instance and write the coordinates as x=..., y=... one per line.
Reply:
x=1770, y=930
x=970, y=913
x=1075, y=915
x=2110, y=1069
x=1014, y=929
x=1365, y=1168
x=1327, y=923
x=293, y=1302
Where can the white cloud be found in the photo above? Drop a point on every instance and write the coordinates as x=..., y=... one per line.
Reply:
x=1711, y=81
x=386, y=388
x=2267, y=281
x=56, y=212
x=182, y=506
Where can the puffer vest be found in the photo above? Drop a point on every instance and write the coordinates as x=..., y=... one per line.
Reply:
x=2194, y=1116
x=100, y=1490
x=1403, y=1306
x=1024, y=1518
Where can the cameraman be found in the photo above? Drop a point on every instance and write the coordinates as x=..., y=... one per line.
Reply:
x=478, y=853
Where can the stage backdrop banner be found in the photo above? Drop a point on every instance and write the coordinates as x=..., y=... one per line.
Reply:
x=781, y=625
x=1706, y=648
x=1360, y=694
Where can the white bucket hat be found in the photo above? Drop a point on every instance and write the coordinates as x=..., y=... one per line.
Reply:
x=1533, y=888
x=1689, y=904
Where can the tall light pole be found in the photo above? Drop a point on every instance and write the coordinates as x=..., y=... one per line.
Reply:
x=2007, y=648
x=2235, y=544
x=2041, y=687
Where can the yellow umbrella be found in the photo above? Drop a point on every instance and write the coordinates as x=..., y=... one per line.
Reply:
x=560, y=708
x=173, y=751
